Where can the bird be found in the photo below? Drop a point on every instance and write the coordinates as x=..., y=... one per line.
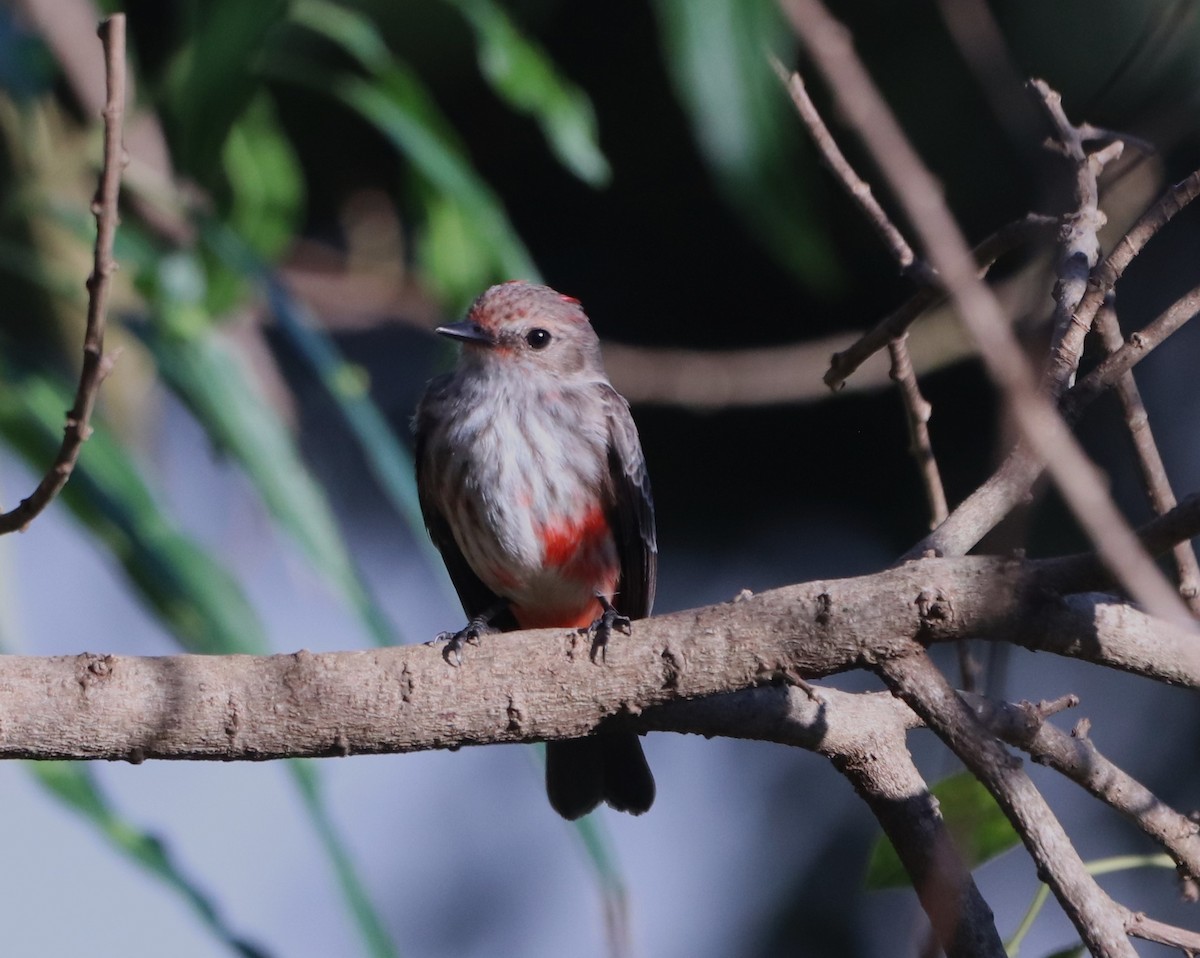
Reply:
x=534, y=489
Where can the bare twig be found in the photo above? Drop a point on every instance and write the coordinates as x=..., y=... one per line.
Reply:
x=1105, y=276
x=1154, y=472
x=980, y=512
x=916, y=406
x=918, y=411
x=843, y=364
x=828, y=43
x=1140, y=926
x=1109, y=372
x=1076, y=757
x=112, y=33
x=858, y=189
x=1096, y=917
x=1079, y=242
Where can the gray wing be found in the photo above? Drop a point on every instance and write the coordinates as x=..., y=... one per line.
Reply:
x=476, y=598
x=631, y=511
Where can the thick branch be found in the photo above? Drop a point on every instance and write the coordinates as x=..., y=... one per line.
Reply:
x=864, y=737
x=1096, y=917
x=527, y=686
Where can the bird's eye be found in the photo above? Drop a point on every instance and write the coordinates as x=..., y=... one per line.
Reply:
x=538, y=338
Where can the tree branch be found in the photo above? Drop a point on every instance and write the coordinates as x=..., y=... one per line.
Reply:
x=1076, y=757
x=828, y=43
x=536, y=685
x=94, y=369
x=981, y=511
x=1150, y=461
x=1096, y=917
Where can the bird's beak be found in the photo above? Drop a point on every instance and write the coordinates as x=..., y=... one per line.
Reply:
x=468, y=332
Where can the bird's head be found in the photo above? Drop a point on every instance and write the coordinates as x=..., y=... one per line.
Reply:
x=522, y=326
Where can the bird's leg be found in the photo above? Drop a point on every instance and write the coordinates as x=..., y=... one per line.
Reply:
x=478, y=625
x=601, y=630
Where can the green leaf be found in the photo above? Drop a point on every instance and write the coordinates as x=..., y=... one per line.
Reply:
x=266, y=184
x=74, y=784
x=208, y=85
x=978, y=826
x=389, y=461
x=523, y=76
x=196, y=598
x=745, y=126
x=218, y=388
x=348, y=29
x=375, y=936
x=396, y=103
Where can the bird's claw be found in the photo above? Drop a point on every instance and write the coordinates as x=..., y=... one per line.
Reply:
x=468, y=635
x=601, y=630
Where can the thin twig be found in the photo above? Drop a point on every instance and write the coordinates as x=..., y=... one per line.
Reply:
x=1140, y=926
x=1109, y=372
x=1012, y=482
x=1154, y=472
x=94, y=369
x=1073, y=573
x=918, y=411
x=1079, y=242
x=1105, y=276
x=1096, y=917
x=828, y=43
x=857, y=188
x=843, y=364
x=916, y=406
x=1076, y=757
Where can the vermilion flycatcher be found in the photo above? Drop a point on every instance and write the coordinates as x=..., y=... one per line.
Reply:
x=534, y=489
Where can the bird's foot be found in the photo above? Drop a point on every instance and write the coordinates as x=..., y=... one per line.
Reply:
x=470, y=633
x=601, y=630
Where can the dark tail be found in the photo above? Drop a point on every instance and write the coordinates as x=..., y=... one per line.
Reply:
x=582, y=772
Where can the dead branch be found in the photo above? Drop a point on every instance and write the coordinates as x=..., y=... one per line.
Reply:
x=1154, y=471
x=94, y=369
x=528, y=686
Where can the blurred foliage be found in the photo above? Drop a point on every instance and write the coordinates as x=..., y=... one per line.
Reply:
x=980, y=830
x=643, y=154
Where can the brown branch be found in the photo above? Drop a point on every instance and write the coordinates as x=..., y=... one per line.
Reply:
x=843, y=364
x=527, y=686
x=1109, y=372
x=863, y=736
x=855, y=186
x=1096, y=917
x=1079, y=242
x=94, y=369
x=1148, y=929
x=828, y=43
x=1011, y=484
x=917, y=408
x=1076, y=757
x=1154, y=472
x=917, y=412
x=1106, y=275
